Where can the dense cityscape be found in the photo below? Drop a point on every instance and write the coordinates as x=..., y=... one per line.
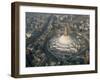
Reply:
x=56, y=39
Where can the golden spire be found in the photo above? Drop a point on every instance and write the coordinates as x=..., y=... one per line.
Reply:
x=66, y=31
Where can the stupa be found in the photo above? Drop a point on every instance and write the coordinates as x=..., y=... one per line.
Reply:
x=63, y=43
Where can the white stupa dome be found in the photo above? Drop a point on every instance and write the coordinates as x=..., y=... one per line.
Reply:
x=64, y=39
x=63, y=43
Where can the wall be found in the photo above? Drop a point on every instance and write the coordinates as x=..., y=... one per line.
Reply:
x=5, y=40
